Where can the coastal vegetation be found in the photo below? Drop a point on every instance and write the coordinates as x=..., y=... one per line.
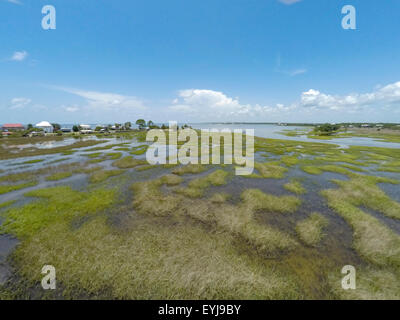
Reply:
x=116, y=227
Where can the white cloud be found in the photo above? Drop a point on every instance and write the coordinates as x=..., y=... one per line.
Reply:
x=291, y=73
x=19, y=56
x=101, y=100
x=289, y=2
x=297, y=72
x=17, y=103
x=71, y=109
x=205, y=102
x=383, y=96
x=14, y=1
x=209, y=105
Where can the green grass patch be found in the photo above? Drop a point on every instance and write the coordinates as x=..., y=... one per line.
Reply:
x=59, y=176
x=139, y=149
x=15, y=187
x=102, y=175
x=295, y=186
x=33, y=161
x=372, y=239
x=128, y=162
x=268, y=170
x=189, y=169
x=310, y=230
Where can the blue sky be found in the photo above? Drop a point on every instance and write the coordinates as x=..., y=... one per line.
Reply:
x=195, y=61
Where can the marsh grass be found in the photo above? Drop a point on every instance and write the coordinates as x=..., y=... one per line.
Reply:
x=189, y=169
x=6, y=204
x=33, y=161
x=15, y=187
x=174, y=244
x=295, y=186
x=310, y=230
x=113, y=155
x=372, y=239
x=197, y=186
x=151, y=261
x=5, y=154
x=237, y=220
x=34, y=174
x=58, y=204
x=220, y=197
x=372, y=284
x=147, y=167
x=290, y=161
x=258, y=200
x=139, y=150
x=268, y=170
x=102, y=175
x=94, y=155
x=316, y=170
x=128, y=162
x=59, y=176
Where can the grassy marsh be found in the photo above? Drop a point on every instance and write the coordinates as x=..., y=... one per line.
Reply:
x=196, y=231
x=310, y=230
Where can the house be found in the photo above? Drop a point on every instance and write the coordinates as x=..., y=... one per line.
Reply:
x=46, y=126
x=13, y=127
x=85, y=128
x=365, y=125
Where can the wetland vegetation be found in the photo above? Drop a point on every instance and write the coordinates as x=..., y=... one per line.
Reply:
x=116, y=227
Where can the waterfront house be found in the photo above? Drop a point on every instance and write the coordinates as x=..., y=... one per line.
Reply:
x=12, y=127
x=45, y=126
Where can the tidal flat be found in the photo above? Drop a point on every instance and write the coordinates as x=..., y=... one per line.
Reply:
x=115, y=227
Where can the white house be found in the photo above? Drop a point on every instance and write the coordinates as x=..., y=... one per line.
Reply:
x=46, y=126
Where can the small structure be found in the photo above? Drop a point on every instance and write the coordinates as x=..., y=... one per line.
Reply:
x=45, y=126
x=13, y=127
x=66, y=130
x=85, y=128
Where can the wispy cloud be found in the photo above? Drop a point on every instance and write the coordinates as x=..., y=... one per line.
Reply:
x=18, y=103
x=19, y=56
x=105, y=100
x=14, y=1
x=289, y=2
x=297, y=72
x=291, y=73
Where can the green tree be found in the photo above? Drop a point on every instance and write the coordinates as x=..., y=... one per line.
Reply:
x=141, y=123
x=128, y=125
x=56, y=127
x=75, y=128
x=327, y=128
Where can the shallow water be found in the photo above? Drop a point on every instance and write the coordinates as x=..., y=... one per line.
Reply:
x=273, y=132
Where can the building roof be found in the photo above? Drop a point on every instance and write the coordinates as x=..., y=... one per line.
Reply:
x=13, y=125
x=43, y=124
